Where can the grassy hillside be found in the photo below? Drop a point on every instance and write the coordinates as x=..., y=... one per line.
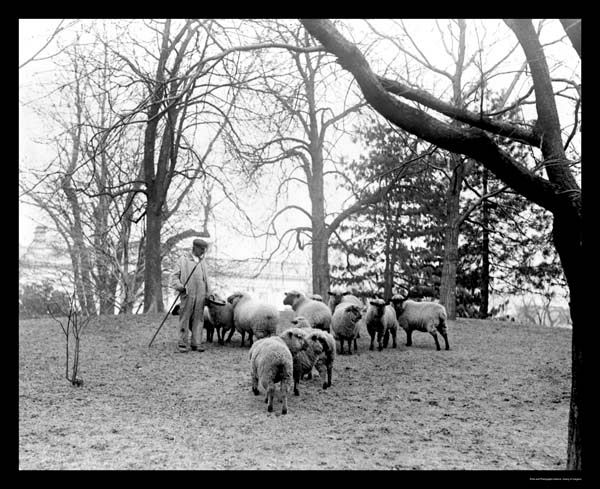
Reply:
x=497, y=400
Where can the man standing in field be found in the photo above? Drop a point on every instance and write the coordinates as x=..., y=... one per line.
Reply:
x=190, y=279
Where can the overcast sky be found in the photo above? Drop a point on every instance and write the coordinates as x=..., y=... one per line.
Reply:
x=33, y=35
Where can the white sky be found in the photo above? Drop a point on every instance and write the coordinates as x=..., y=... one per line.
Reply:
x=33, y=34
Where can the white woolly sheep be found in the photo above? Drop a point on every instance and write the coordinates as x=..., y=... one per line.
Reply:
x=345, y=323
x=380, y=319
x=315, y=297
x=271, y=362
x=421, y=316
x=218, y=315
x=317, y=313
x=253, y=317
x=336, y=298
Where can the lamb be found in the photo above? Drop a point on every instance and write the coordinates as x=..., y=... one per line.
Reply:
x=421, y=316
x=218, y=315
x=381, y=320
x=271, y=362
x=345, y=323
x=253, y=317
x=317, y=313
x=319, y=354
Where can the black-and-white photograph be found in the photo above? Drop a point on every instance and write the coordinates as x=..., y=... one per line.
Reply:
x=301, y=245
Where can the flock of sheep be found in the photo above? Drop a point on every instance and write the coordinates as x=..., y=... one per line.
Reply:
x=311, y=341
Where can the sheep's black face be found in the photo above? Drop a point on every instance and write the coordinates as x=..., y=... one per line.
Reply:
x=355, y=313
x=233, y=298
x=379, y=306
x=290, y=297
x=216, y=300
x=398, y=305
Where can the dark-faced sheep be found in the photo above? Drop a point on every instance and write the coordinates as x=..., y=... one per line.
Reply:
x=336, y=298
x=218, y=316
x=271, y=362
x=381, y=321
x=427, y=317
x=317, y=313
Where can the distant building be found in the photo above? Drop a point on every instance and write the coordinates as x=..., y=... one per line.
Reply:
x=46, y=258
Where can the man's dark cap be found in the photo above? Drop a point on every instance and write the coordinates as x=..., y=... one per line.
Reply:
x=200, y=242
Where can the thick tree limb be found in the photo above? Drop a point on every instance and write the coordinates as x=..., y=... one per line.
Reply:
x=171, y=242
x=573, y=29
x=502, y=128
x=470, y=142
x=548, y=120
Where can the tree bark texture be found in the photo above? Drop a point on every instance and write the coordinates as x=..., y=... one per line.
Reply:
x=485, y=251
x=452, y=233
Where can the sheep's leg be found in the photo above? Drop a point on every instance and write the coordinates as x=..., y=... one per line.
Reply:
x=209, y=334
x=250, y=335
x=355, y=347
x=220, y=336
x=445, y=336
x=296, y=381
x=444, y=332
x=349, y=347
x=243, y=337
x=386, y=338
x=437, y=343
x=254, y=377
x=372, y=340
x=270, y=393
x=231, y=331
x=409, y=337
x=329, y=373
x=393, y=338
x=341, y=347
x=284, y=392
x=380, y=340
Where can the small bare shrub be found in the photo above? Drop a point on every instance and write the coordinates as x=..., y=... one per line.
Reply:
x=76, y=322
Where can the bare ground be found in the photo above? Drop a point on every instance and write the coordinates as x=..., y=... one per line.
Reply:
x=498, y=400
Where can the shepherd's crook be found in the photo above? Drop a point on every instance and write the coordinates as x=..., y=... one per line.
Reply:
x=169, y=311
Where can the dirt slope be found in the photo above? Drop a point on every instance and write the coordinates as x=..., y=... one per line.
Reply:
x=497, y=400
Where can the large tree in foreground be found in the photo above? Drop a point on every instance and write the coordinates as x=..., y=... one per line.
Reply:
x=559, y=192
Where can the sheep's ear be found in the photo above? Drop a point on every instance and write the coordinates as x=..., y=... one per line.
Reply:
x=373, y=303
x=346, y=293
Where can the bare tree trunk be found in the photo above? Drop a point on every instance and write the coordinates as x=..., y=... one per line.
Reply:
x=457, y=168
x=320, y=236
x=153, y=300
x=450, y=257
x=567, y=231
x=485, y=251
